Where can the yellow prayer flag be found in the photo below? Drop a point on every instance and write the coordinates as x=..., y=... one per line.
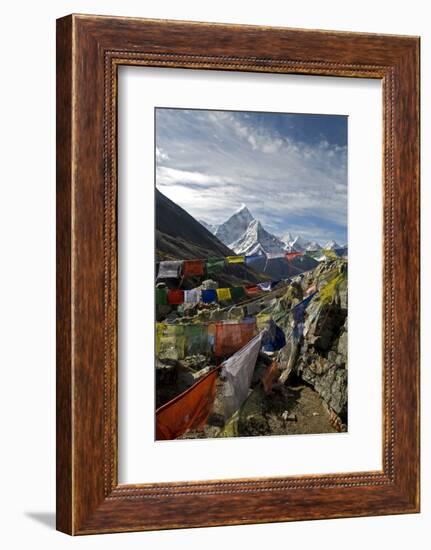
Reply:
x=223, y=294
x=235, y=259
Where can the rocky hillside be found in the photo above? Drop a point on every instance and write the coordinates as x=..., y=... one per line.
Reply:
x=179, y=235
x=309, y=392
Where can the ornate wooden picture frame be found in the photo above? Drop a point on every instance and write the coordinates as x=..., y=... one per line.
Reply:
x=89, y=51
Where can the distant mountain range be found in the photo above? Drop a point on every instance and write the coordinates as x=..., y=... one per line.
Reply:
x=246, y=235
x=180, y=236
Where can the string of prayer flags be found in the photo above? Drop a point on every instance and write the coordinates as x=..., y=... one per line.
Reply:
x=232, y=336
x=235, y=259
x=161, y=296
x=192, y=296
x=214, y=266
x=209, y=295
x=175, y=297
x=237, y=372
x=193, y=268
x=187, y=411
x=223, y=294
x=170, y=269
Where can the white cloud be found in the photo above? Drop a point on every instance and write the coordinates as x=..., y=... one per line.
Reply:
x=210, y=162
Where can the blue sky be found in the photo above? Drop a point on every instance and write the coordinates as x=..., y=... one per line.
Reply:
x=289, y=169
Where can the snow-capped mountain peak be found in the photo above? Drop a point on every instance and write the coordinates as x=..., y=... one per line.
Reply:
x=313, y=245
x=257, y=240
x=331, y=245
x=235, y=226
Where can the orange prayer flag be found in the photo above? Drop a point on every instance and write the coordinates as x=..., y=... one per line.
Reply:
x=270, y=376
x=189, y=410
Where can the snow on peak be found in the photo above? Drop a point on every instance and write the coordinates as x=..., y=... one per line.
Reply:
x=257, y=240
x=235, y=226
x=331, y=245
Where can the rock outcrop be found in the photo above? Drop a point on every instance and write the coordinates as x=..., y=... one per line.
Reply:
x=319, y=357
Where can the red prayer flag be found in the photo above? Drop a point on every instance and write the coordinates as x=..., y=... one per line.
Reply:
x=230, y=337
x=252, y=289
x=189, y=410
x=175, y=297
x=193, y=268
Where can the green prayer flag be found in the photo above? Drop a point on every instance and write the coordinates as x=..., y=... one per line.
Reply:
x=161, y=296
x=196, y=339
x=214, y=266
x=237, y=292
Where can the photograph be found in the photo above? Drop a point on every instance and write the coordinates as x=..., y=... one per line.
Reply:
x=251, y=273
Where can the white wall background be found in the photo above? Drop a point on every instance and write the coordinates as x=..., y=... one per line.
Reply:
x=27, y=279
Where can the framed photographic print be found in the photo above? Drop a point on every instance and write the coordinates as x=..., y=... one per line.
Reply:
x=237, y=274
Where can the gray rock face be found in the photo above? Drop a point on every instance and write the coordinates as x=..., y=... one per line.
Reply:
x=319, y=358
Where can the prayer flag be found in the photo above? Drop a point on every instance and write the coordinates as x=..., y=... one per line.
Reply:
x=170, y=269
x=274, y=255
x=170, y=342
x=235, y=259
x=196, y=339
x=209, y=295
x=189, y=410
x=270, y=376
x=232, y=336
x=223, y=294
x=193, y=268
x=274, y=338
x=214, y=266
x=238, y=372
x=266, y=286
x=251, y=290
x=175, y=297
x=237, y=292
x=298, y=316
x=161, y=296
x=192, y=296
